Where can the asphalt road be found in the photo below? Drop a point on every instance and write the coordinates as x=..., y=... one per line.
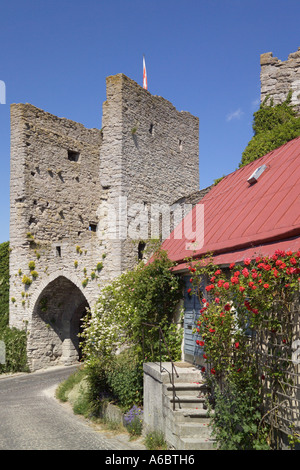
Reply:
x=32, y=419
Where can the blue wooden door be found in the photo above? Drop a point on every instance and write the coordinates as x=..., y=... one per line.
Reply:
x=192, y=308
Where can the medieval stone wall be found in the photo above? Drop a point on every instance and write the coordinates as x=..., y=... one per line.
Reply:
x=78, y=197
x=279, y=77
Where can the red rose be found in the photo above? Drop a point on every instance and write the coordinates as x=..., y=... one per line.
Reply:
x=226, y=285
x=213, y=371
x=266, y=286
x=242, y=288
x=245, y=272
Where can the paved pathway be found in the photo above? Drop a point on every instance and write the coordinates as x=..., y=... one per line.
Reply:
x=32, y=419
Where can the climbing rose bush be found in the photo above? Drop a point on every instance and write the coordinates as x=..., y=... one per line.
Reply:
x=238, y=306
x=241, y=300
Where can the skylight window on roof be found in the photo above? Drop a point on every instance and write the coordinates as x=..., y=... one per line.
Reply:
x=256, y=174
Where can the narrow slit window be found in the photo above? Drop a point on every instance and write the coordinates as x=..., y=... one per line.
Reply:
x=73, y=156
x=141, y=249
x=58, y=251
x=93, y=227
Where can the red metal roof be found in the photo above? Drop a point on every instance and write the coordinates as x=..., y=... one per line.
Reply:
x=241, y=219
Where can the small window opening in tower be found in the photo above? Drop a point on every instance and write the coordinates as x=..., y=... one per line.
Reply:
x=151, y=129
x=58, y=251
x=93, y=227
x=180, y=144
x=141, y=249
x=73, y=156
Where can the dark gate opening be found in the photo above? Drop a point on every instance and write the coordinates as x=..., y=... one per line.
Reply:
x=56, y=322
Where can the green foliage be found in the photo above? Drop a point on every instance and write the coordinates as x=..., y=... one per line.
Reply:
x=26, y=280
x=133, y=421
x=245, y=309
x=4, y=279
x=155, y=440
x=67, y=385
x=125, y=380
x=150, y=293
x=31, y=265
x=99, y=266
x=15, y=349
x=14, y=339
x=273, y=126
x=237, y=416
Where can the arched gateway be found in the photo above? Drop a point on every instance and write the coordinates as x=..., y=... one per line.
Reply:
x=55, y=324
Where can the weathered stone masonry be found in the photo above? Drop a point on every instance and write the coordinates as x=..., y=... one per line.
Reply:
x=278, y=78
x=65, y=179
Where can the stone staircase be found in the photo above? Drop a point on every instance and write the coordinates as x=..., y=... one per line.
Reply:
x=187, y=427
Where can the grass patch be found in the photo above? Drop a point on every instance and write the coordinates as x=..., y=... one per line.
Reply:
x=155, y=440
x=64, y=389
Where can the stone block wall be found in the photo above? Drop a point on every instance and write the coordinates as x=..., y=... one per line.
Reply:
x=77, y=198
x=279, y=77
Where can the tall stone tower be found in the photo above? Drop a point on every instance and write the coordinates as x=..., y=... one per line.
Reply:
x=82, y=200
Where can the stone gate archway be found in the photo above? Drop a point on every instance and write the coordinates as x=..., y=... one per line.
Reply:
x=55, y=324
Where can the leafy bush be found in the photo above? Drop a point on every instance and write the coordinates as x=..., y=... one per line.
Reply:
x=125, y=380
x=150, y=293
x=273, y=126
x=15, y=350
x=237, y=417
x=245, y=325
x=4, y=280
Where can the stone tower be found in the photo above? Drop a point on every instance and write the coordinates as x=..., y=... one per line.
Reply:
x=81, y=202
x=278, y=78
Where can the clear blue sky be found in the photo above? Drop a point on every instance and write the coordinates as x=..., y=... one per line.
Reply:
x=203, y=56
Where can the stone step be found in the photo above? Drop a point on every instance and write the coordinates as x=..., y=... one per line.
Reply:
x=193, y=389
x=194, y=443
x=201, y=430
x=187, y=402
x=187, y=415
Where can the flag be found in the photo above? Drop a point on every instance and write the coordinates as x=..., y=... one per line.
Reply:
x=145, y=84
